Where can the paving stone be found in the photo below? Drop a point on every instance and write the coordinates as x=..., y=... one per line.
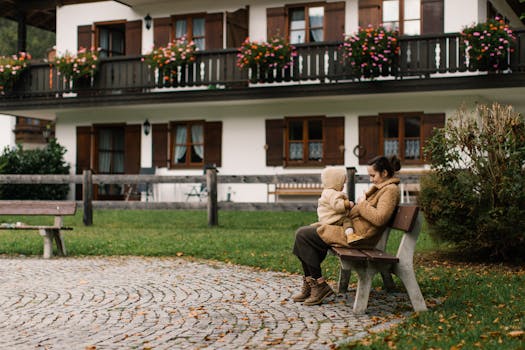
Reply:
x=169, y=303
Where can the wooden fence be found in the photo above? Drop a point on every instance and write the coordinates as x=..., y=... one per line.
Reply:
x=87, y=180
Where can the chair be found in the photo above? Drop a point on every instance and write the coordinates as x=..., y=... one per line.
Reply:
x=146, y=188
x=199, y=191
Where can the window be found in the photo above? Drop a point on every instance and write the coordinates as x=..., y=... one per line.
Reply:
x=402, y=134
x=188, y=144
x=111, y=39
x=110, y=158
x=192, y=28
x=403, y=15
x=306, y=24
x=305, y=141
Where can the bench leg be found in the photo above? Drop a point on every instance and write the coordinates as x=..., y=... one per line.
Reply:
x=365, y=275
x=344, y=279
x=388, y=281
x=48, y=242
x=408, y=277
x=61, y=245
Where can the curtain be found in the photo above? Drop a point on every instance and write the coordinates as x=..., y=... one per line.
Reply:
x=197, y=137
x=316, y=17
x=180, y=144
x=391, y=147
x=296, y=151
x=180, y=28
x=411, y=149
x=104, y=154
x=118, y=155
x=315, y=150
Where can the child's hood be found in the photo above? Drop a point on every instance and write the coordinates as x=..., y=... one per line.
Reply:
x=333, y=177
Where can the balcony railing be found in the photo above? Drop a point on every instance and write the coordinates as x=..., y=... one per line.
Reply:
x=420, y=57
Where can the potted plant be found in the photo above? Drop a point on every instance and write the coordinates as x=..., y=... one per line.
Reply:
x=10, y=69
x=169, y=60
x=263, y=57
x=371, y=52
x=487, y=45
x=79, y=68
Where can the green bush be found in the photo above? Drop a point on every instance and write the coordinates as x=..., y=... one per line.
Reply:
x=49, y=160
x=475, y=197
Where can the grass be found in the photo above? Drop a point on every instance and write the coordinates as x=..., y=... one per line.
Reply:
x=481, y=306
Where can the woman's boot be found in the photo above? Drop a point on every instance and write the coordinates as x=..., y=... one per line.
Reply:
x=319, y=291
x=305, y=291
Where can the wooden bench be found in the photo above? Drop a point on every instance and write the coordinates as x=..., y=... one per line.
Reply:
x=58, y=209
x=296, y=189
x=367, y=262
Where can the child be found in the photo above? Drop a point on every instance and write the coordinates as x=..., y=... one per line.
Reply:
x=333, y=203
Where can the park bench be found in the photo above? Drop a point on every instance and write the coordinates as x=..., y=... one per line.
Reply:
x=368, y=262
x=296, y=189
x=58, y=209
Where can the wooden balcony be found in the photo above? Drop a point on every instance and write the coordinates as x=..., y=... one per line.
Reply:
x=424, y=63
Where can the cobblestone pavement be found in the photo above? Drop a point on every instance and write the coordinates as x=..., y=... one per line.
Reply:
x=169, y=303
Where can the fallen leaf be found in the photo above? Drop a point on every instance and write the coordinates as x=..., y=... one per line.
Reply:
x=516, y=334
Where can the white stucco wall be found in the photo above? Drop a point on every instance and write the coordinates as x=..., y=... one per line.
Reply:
x=7, y=125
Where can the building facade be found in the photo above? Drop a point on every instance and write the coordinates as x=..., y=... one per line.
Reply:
x=312, y=117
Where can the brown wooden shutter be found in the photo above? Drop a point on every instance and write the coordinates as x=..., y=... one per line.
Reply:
x=236, y=27
x=274, y=142
x=213, y=143
x=159, y=134
x=134, y=38
x=369, y=13
x=433, y=17
x=335, y=21
x=276, y=22
x=368, y=147
x=334, y=141
x=85, y=35
x=161, y=31
x=214, y=31
x=132, y=149
x=83, y=155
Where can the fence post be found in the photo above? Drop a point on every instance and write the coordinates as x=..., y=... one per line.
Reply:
x=350, y=183
x=211, y=183
x=87, y=197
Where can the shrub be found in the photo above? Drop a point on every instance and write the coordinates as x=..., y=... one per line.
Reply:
x=38, y=161
x=371, y=52
x=475, y=197
x=488, y=44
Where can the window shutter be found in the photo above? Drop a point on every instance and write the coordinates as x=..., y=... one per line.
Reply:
x=214, y=31
x=368, y=147
x=84, y=38
x=132, y=149
x=369, y=13
x=274, y=142
x=334, y=141
x=134, y=38
x=161, y=31
x=213, y=143
x=335, y=21
x=159, y=134
x=236, y=27
x=276, y=22
x=433, y=13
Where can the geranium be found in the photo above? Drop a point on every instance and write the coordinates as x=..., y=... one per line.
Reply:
x=488, y=44
x=11, y=67
x=176, y=54
x=371, y=51
x=276, y=53
x=82, y=64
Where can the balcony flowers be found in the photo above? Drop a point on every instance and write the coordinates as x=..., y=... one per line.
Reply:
x=263, y=57
x=488, y=45
x=80, y=66
x=371, y=52
x=10, y=69
x=168, y=60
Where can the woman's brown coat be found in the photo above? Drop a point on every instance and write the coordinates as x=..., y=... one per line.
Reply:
x=368, y=218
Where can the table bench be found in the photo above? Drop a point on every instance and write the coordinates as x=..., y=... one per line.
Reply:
x=58, y=209
x=368, y=262
x=296, y=189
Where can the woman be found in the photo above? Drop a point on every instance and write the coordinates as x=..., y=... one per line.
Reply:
x=368, y=218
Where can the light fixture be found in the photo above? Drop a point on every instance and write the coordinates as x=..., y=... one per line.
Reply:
x=147, y=20
x=147, y=127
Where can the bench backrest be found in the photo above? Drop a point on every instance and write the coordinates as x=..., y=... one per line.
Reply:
x=29, y=207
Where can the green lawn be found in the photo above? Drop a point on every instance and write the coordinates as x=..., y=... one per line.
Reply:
x=482, y=306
